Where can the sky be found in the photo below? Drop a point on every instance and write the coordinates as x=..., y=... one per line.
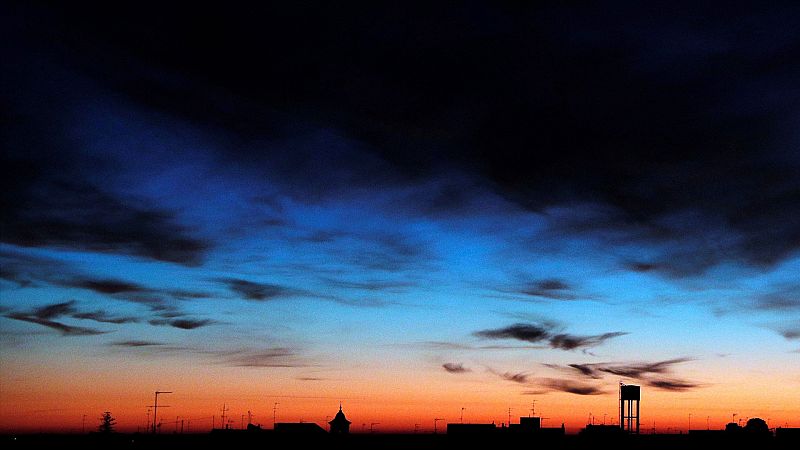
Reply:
x=419, y=211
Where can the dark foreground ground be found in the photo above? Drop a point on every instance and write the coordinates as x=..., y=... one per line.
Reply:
x=389, y=442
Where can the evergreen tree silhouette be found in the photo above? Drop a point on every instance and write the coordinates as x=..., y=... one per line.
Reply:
x=107, y=423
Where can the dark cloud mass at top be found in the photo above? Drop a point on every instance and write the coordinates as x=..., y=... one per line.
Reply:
x=662, y=134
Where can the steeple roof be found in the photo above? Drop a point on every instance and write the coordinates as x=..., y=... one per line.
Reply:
x=339, y=418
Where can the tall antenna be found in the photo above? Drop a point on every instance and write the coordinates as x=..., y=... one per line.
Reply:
x=435, y=421
x=275, y=413
x=155, y=408
x=509, y=416
x=83, y=424
x=224, y=410
x=533, y=408
x=462, y=414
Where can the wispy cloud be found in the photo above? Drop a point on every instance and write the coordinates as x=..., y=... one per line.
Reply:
x=183, y=324
x=455, y=368
x=651, y=373
x=790, y=333
x=370, y=285
x=64, y=329
x=98, y=220
x=104, y=317
x=520, y=331
x=672, y=384
x=516, y=377
x=638, y=370
x=45, y=315
x=536, y=333
x=550, y=288
x=251, y=290
x=571, y=342
x=569, y=386
x=782, y=299
x=136, y=344
x=275, y=357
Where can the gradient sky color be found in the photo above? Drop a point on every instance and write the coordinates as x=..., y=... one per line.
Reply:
x=408, y=210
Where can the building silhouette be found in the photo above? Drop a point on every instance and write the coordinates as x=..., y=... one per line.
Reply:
x=340, y=424
x=299, y=428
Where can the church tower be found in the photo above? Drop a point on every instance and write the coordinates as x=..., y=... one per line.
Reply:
x=340, y=424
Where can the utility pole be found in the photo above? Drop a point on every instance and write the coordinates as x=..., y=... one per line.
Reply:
x=242, y=424
x=372, y=426
x=249, y=417
x=274, y=414
x=690, y=422
x=462, y=414
x=708, y=425
x=155, y=408
x=435, y=421
x=83, y=424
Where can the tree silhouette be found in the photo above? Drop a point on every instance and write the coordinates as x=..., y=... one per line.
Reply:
x=106, y=423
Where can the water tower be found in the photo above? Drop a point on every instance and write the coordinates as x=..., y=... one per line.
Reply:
x=629, y=396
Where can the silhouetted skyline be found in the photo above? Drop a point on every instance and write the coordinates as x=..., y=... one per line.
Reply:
x=424, y=211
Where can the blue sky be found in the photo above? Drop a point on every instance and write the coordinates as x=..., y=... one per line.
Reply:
x=629, y=202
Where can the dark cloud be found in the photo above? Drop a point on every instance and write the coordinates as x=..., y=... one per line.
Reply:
x=250, y=290
x=455, y=368
x=544, y=333
x=571, y=342
x=790, y=333
x=672, y=384
x=551, y=288
x=440, y=345
x=650, y=373
x=27, y=270
x=643, y=267
x=519, y=377
x=371, y=285
x=127, y=289
x=54, y=310
x=36, y=216
x=183, y=324
x=106, y=286
x=678, y=140
x=104, y=317
x=44, y=315
x=570, y=386
x=781, y=299
x=271, y=357
x=639, y=370
x=586, y=369
x=64, y=329
x=136, y=344
x=519, y=331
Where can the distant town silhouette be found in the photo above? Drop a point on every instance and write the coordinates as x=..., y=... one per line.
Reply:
x=528, y=431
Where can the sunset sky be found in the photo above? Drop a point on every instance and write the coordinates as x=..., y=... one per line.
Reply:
x=411, y=210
